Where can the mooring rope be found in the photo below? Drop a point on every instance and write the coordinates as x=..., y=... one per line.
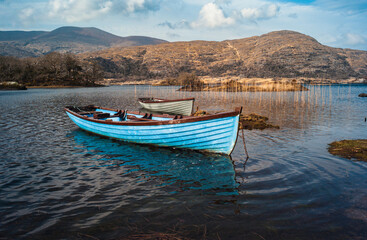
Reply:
x=244, y=144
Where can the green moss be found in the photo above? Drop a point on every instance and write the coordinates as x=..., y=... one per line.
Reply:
x=255, y=121
x=249, y=122
x=356, y=149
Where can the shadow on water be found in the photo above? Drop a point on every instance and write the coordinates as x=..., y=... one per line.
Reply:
x=188, y=169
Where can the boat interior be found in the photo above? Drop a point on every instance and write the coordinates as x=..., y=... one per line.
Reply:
x=151, y=100
x=94, y=112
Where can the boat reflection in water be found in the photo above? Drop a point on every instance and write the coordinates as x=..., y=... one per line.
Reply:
x=164, y=167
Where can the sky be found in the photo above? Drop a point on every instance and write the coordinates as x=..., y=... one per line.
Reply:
x=335, y=23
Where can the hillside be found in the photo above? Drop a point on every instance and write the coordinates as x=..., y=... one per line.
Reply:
x=276, y=54
x=65, y=39
x=19, y=35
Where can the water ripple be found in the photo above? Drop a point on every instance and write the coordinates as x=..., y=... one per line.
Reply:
x=57, y=180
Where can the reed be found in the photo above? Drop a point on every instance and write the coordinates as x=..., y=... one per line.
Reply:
x=284, y=108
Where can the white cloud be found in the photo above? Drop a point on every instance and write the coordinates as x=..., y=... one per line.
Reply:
x=26, y=14
x=78, y=10
x=212, y=16
x=132, y=5
x=264, y=12
x=354, y=39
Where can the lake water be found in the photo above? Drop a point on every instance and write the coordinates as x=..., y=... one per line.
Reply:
x=60, y=182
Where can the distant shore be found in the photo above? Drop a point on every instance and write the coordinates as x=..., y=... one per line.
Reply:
x=54, y=86
x=220, y=80
x=61, y=86
x=240, y=84
x=222, y=83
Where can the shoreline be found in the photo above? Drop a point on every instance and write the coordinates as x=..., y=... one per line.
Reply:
x=221, y=81
x=147, y=84
x=61, y=86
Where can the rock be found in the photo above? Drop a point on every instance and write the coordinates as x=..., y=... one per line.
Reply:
x=12, y=86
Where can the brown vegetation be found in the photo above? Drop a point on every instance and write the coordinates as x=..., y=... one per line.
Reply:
x=189, y=81
x=183, y=79
x=283, y=54
x=356, y=149
x=236, y=86
x=51, y=69
x=250, y=121
x=200, y=113
x=255, y=121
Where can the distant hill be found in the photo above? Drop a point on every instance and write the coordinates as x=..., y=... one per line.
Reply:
x=65, y=39
x=276, y=54
x=19, y=35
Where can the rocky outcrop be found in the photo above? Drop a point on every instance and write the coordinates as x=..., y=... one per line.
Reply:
x=12, y=86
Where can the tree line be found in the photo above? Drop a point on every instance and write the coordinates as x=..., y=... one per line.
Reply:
x=55, y=68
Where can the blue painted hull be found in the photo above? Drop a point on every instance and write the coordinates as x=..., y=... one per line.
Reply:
x=216, y=135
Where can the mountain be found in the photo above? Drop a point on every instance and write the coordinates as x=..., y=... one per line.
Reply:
x=276, y=54
x=65, y=39
x=19, y=35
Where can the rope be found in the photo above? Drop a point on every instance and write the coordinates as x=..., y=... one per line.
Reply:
x=244, y=144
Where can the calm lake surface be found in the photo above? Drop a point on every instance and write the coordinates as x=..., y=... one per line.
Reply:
x=60, y=182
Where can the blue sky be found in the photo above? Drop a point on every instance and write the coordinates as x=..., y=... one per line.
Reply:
x=336, y=23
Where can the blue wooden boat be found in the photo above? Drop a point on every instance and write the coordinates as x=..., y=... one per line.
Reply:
x=212, y=133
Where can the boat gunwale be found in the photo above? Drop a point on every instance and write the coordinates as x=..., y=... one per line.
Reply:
x=165, y=100
x=187, y=119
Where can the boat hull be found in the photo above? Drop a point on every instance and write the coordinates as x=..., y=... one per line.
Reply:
x=217, y=135
x=181, y=107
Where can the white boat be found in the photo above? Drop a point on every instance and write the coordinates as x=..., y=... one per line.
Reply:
x=175, y=106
